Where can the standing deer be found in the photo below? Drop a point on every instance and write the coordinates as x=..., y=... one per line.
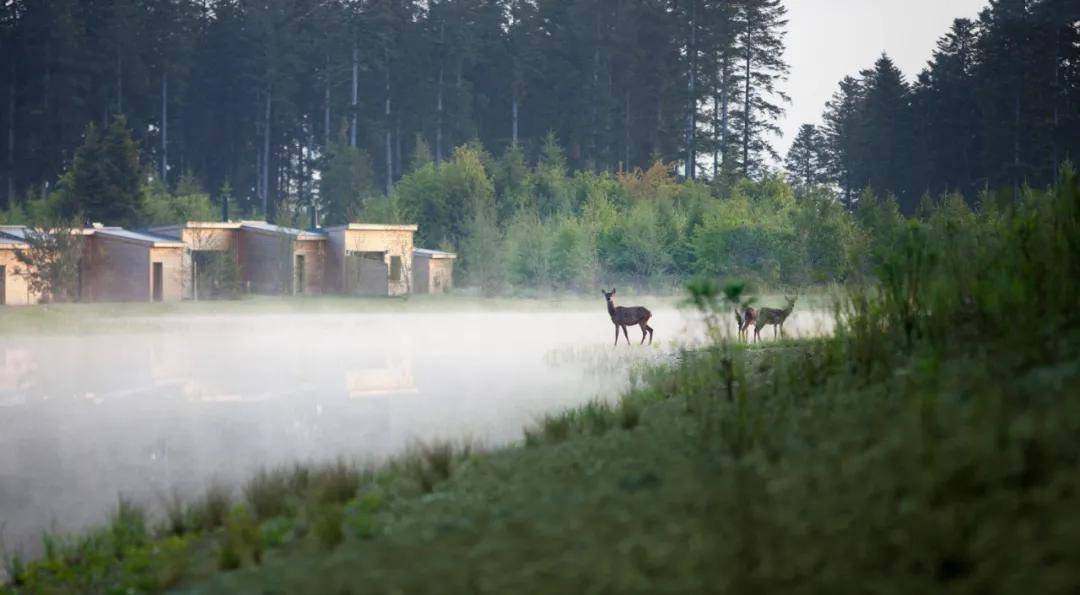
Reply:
x=744, y=320
x=774, y=317
x=624, y=317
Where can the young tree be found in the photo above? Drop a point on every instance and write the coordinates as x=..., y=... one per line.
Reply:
x=104, y=183
x=52, y=259
x=807, y=160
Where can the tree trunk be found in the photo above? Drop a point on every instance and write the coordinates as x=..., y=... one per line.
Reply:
x=514, y=126
x=164, y=128
x=12, y=82
x=386, y=124
x=439, y=97
x=266, y=154
x=397, y=145
x=119, y=82
x=326, y=105
x=626, y=132
x=355, y=88
x=746, y=107
x=691, y=113
x=724, y=110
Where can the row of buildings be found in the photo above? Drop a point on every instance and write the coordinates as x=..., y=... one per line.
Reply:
x=169, y=263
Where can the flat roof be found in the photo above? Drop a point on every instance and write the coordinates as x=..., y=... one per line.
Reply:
x=433, y=253
x=300, y=234
x=375, y=227
x=137, y=237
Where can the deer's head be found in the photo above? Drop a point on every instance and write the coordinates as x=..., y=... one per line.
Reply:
x=791, y=301
x=607, y=295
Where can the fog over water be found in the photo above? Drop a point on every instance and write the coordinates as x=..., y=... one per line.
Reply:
x=142, y=412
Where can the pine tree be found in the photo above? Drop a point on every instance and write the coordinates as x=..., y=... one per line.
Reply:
x=760, y=70
x=807, y=160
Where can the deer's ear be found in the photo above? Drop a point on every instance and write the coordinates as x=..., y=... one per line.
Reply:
x=612, y=291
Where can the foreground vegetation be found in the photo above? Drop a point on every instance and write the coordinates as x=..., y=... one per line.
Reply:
x=931, y=445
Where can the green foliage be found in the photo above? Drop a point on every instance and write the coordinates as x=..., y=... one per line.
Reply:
x=159, y=207
x=52, y=259
x=105, y=180
x=347, y=180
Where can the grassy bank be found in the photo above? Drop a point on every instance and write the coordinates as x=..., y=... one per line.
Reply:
x=931, y=445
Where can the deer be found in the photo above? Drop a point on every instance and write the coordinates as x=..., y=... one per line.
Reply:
x=774, y=317
x=744, y=320
x=623, y=317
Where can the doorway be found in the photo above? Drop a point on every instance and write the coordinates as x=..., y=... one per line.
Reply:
x=299, y=275
x=3, y=285
x=158, y=282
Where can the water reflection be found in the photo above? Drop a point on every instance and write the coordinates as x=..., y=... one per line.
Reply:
x=83, y=417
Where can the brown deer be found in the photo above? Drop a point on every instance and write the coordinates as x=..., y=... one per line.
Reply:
x=624, y=317
x=774, y=317
x=744, y=320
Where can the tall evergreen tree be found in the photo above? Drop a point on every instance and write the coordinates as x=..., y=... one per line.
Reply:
x=807, y=160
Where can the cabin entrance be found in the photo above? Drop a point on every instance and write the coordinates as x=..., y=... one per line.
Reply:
x=158, y=282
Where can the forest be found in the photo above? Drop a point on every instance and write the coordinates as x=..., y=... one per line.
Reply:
x=616, y=139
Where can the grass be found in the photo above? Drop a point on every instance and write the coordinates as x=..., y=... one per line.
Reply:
x=892, y=457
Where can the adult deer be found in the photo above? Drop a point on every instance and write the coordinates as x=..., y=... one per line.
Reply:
x=624, y=317
x=774, y=317
x=744, y=320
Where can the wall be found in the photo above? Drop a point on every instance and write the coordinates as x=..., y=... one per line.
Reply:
x=441, y=278
x=334, y=268
x=115, y=271
x=314, y=252
x=17, y=288
x=172, y=265
x=393, y=243
x=266, y=262
x=421, y=274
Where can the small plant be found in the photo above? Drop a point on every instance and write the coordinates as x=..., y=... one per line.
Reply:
x=336, y=483
x=211, y=511
x=629, y=413
x=268, y=494
x=556, y=428
x=326, y=525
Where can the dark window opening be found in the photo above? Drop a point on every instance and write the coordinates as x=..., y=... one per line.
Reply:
x=299, y=280
x=395, y=268
x=158, y=282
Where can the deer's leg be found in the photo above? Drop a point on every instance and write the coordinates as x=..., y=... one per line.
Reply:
x=616, y=334
x=650, y=334
x=626, y=334
x=643, y=332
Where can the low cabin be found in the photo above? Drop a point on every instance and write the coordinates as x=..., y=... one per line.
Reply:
x=433, y=271
x=206, y=242
x=14, y=287
x=119, y=265
x=369, y=259
x=270, y=259
x=281, y=260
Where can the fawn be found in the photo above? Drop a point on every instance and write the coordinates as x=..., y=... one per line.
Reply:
x=624, y=317
x=774, y=317
x=744, y=320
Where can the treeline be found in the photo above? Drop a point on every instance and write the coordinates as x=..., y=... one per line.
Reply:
x=544, y=227
x=257, y=95
x=997, y=107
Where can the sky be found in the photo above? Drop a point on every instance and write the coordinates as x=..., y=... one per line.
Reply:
x=830, y=39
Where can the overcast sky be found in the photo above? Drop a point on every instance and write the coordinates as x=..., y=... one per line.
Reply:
x=829, y=39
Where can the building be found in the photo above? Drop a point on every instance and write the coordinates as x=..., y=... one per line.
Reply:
x=433, y=271
x=369, y=259
x=270, y=259
x=119, y=265
x=14, y=287
x=199, y=259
